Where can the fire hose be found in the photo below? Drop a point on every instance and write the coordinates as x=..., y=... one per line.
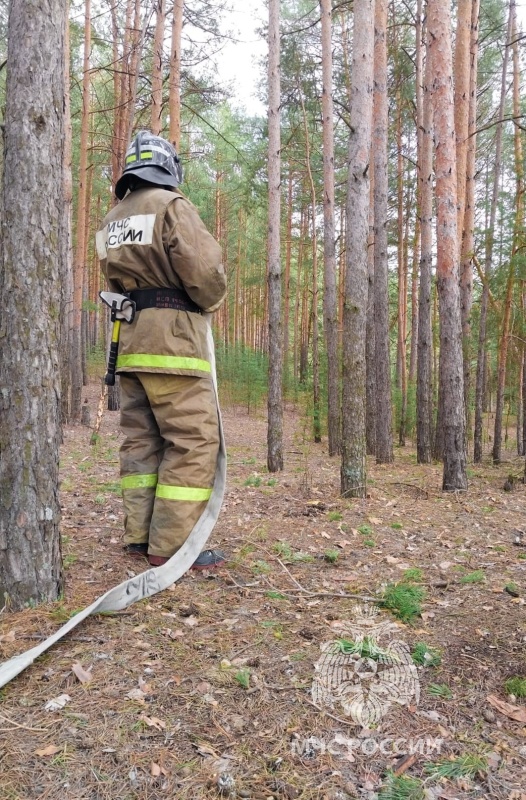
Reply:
x=152, y=580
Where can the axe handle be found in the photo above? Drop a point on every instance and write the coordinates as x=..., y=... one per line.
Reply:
x=109, y=378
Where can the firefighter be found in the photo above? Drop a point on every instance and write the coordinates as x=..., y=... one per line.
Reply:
x=154, y=248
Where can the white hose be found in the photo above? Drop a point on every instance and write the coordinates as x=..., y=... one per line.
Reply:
x=153, y=580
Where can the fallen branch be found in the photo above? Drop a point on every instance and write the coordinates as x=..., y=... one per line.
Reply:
x=100, y=413
x=332, y=716
x=22, y=727
x=307, y=594
x=405, y=764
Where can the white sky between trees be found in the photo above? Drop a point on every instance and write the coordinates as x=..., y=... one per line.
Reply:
x=238, y=60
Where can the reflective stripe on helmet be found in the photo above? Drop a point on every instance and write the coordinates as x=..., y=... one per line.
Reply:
x=144, y=155
x=147, y=360
x=139, y=481
x=185, y=493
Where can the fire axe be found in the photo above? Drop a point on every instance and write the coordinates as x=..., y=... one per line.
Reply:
x=122, y=308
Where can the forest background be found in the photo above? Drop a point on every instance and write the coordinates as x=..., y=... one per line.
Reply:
x=122, y=61
x=121, y=67
x=376, y=301
x=372, y=226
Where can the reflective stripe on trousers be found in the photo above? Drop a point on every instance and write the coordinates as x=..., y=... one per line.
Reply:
x=168, y=457
x=188, y=493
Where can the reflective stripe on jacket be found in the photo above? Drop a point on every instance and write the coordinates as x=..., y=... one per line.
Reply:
x=154, y=238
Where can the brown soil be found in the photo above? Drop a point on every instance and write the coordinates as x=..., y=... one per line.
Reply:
x=225, y=661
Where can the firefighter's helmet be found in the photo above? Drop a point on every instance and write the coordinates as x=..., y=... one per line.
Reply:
x=152, y=159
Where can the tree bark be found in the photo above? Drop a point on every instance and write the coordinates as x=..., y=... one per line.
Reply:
x=275, y=395
x=174, y=100
x=156, y=122
x=384, y=435
x=67, y=277
x=316, y=392
x=468, y=230
x=424, y=389
x=370, y=350
x=401, y=362
x=81, y=232
x=414, y=290
x=462, y=101
x=286, y=286
x=354, y=466
x=488, y=257
x=518, y=244
x=451, y=364
x=330, y=307
x=32, y=263
x=137, y=42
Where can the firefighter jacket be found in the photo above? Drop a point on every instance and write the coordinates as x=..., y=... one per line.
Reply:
x=154, y=238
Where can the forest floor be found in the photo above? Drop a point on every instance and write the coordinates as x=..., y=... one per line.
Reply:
x=219, y=687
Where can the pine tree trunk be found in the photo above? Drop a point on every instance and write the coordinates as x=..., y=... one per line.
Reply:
x=384, y=436
x=354, y=466
x=414, y=293
x=81, y=233
x=424, y=389
x=316, y=395
x=330, y=308
x=174, y=100
x=417, y=246
x=480, y=377
x=462, y=101
x=121, y=77
x=518, y=242
x=468, y=232
x=305, y=317
x=67, y=277
x=137, y=42
x=286, y=287
x=451, y=363
x=156, y=122
x=488, y=257
x=402, y=281
x=298, y=307
x=275, y=398
x=370, y=354
x=33, y=253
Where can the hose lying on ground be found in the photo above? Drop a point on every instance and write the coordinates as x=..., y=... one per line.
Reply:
x=153, y=580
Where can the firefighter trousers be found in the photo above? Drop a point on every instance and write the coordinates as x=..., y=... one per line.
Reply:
x=168, y=458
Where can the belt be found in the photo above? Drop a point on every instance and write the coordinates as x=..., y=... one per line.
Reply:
x=163, y=298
